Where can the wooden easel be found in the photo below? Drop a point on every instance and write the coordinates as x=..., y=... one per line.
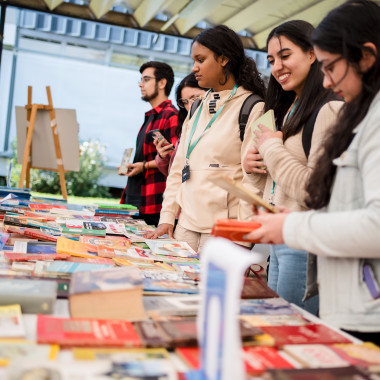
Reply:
x=31, y=117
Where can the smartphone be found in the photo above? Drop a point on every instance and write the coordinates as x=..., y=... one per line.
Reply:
x=236, y=188
x=370, y=280
x=155, y=133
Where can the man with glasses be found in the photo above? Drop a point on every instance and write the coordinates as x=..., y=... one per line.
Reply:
x=146, y=183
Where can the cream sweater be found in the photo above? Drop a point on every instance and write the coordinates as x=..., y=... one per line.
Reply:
x=287, y=164
x=218, y=151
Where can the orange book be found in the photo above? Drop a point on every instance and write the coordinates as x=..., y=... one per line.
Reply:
x=233, y=229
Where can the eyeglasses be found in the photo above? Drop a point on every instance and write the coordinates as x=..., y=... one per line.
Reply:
x=145, y=79
x=184, y=101
x=325, y=69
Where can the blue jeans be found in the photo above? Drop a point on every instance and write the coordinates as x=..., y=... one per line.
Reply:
x=287, y=276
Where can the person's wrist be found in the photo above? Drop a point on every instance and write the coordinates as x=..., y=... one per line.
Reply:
x=143, y=167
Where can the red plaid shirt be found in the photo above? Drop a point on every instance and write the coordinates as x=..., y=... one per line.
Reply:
x=165, y=119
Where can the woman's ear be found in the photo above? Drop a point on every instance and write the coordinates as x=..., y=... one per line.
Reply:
x=369, y=56
x=312, y=56
x=223, y=60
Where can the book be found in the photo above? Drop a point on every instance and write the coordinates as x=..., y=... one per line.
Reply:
x=274, y=306
x=11, y=323
x=150, y=334
x=16, y=351
x=256, y=288
x=259, y=359
x=307, y=334
x=34, y=296
x=365, y=354
x=171, y=248
x=72, y=247
x=125, y=161
x=332, y=373
x=315, y=355
x=267, y=120
x=236, y=188
x=276, y=320
x=151, y=285
x=13, y=256
x=171, y=305
x=107, y=294
x=71, y=267
x=71, y=332
x=234, y=230
x=180, y=332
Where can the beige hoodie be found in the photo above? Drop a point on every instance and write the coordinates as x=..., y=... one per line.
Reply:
x=288, y=165
x=218, y=151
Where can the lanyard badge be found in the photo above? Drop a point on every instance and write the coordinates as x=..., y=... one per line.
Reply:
x=191, y=146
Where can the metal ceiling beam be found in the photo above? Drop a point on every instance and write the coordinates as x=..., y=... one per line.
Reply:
x=313, y=14
x=101, y=7
x=253, y=13
x=147, y=10
x=53, y=3
x=194, y=12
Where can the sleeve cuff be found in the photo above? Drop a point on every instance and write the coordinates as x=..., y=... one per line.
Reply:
x=267, y=144
x=167, y=217
x=289, y=230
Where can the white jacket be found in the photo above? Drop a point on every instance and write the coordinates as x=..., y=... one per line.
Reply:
x=348, y=232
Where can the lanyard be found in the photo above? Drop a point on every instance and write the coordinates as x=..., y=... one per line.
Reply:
x=191, y=146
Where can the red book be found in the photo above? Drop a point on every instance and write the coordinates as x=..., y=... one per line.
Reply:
x=233, y=229
x=95, y=260
x=86, y=332
x=33, y=233
x=44, y=206
x=306, y=334
x=259, y=359
x=13, y=256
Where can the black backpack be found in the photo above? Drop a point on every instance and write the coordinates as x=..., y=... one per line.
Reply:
x=245, y=111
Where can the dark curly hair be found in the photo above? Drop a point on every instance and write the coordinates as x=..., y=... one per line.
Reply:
x=224, y=41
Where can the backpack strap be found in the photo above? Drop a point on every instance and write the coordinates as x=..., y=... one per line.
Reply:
x=194, y=107
x=308, y=129
x=245, y=111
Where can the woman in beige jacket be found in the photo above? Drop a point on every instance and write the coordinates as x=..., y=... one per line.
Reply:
x=296, y=94
x=210, y=141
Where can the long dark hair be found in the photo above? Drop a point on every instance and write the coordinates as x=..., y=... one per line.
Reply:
x=224, y=41
x=313, y=94
x=188, y=81
x=344, y=31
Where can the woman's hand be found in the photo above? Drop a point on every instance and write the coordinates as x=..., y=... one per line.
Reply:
x=270, y=231
x=253, y=162
x=162, y=229
x=264, y=134
x=134, y=169
x=163, y=151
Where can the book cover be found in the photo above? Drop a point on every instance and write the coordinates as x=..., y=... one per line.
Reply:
x=13, y=256
x=150, y=334
x=333, y=373
x=274, y=306
x=15, y=351
x=33, y=233
x=172, y=305
x=107, y=294
x=86, y=332
x=11, y=323
x=259, y=359
x=151, y=285
x=307, y=334
x=181, y=331
x=365, y=354
x=125, y=160
x=170, y=248
x=276, y=320
x=234, y=230
x=73, y=247
x=267, y=120
x=34, y=296
x=315, y=355
x=71, y=267
x=256, y=288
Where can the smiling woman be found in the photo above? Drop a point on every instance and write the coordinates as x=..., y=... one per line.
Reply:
x=210, y=141
x=296, y=94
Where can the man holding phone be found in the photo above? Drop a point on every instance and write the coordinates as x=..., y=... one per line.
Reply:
x=146, y=183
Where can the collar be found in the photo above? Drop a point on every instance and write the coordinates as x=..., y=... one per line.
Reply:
x=159, y=108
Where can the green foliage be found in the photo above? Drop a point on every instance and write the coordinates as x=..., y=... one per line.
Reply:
x=83, y=183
